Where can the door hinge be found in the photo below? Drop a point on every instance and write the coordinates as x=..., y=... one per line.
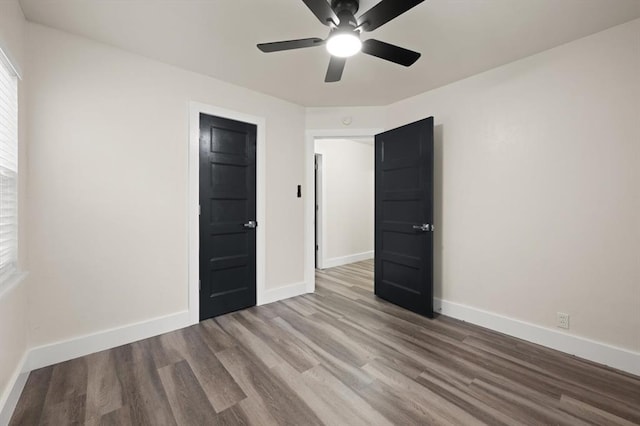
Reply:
x=316, y=247
x=199, y=285
x=199, y=209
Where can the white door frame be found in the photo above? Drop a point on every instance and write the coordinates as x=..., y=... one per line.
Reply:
x=309, y=203
x=319, y=214
x=195, y=108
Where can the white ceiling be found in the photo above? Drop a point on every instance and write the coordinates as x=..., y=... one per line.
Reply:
x=457, y=39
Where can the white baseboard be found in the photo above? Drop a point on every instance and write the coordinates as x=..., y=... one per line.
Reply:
x=344, y=260
x=612, y=356
x=54, y=353
x=12, y=393
x=43, y=356
x=284, y=292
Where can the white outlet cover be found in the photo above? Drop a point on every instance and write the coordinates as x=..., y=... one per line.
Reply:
x=563, y=320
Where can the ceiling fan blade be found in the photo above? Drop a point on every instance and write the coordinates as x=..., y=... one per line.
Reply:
x=336, y=66
x=384, y=12
x=389, y=52
x=323, y=11
x=290, y=44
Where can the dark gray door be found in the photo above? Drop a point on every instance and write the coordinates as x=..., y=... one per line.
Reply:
x=227, y=215
x=404, y=216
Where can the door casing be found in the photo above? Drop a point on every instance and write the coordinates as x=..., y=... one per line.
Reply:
x=195, y=108
x=319, y=212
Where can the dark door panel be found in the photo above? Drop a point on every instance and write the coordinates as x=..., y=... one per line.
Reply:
x=227, y=203
x=404, y=216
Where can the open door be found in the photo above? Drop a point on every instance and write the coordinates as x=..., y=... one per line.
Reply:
x=404, y=216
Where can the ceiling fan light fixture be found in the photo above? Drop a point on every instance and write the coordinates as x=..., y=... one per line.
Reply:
x=344, y=33
x=344, y=44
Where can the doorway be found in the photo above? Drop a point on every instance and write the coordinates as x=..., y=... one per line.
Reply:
x=309, y=202
x=403, y=266
x=344, y=172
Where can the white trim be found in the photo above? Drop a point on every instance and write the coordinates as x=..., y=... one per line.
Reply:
x=195, y=108
x=612, y=356
x=11, y=394
x=319, y=231
x=5, y=58
x=344, y=260
x=285, y=292
x=309, y=229
x=54, y=353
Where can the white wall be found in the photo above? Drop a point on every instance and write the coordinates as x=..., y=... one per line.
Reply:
x=108, y=184
x=539, y=186
x=13, y=307
x=12, y=24
x=13, y=340
x=347, y=207
x=345, y=118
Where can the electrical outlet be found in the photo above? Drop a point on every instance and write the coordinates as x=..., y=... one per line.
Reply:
x=563, y=320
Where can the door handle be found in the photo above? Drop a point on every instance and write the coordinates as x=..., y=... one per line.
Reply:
x=251, y=224
x=425, y=227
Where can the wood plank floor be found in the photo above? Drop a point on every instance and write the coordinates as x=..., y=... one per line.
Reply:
x=337, y=357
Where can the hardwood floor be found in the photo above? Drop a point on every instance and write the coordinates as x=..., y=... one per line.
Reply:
x=337, y=357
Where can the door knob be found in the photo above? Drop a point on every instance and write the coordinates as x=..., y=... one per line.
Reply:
x=251, y=224
x=425, y=227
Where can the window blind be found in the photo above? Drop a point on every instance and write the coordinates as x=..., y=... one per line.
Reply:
x=8, y=172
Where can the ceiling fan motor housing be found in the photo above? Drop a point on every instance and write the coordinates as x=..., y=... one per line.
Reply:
x=345, y=5
x=346, y=10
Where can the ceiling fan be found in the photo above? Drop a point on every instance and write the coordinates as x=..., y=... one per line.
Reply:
x=344, y=37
